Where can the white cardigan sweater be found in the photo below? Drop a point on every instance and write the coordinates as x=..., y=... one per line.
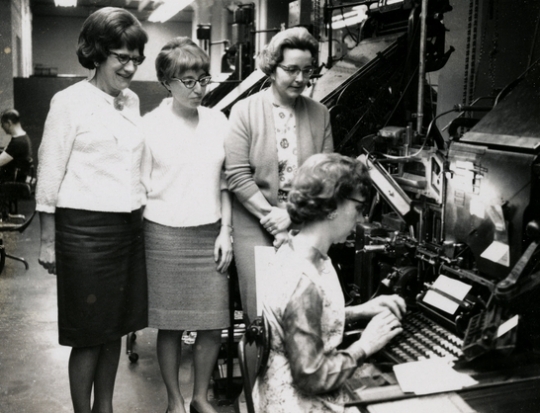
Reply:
x=90, y=155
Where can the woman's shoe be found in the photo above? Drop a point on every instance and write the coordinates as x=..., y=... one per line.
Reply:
x=192, y=409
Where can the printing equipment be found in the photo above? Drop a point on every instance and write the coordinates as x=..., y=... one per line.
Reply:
x=454, y=222
x=456, y=232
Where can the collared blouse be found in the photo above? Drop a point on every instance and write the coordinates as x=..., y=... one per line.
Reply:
x=91, y=152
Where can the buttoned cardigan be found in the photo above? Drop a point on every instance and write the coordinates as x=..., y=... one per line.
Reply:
x=90, y=155
x=251, y=162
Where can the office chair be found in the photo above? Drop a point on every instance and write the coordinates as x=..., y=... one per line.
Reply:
x=10, y=220
x=258, y=334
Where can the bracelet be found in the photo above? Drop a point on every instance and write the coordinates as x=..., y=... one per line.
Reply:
x=226, y=225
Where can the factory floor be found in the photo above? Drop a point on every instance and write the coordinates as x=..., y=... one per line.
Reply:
x=33, y=366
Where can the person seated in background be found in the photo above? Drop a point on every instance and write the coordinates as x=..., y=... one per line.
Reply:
x=306, y=309
x=16, y=159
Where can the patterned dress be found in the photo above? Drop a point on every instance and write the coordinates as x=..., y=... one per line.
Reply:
x=306, y=312
x=285, y=122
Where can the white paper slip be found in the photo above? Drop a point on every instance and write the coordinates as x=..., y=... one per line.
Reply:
x=430, y=376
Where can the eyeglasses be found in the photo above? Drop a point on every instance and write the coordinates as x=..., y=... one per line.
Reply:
x=124, y=58
x=190, y=83
x=361, y=206
x=295, y=70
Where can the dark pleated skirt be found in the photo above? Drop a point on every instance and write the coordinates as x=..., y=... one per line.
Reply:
x=101, y=276
x=185, y=291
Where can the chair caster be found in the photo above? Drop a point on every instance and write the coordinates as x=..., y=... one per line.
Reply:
x=133, y=357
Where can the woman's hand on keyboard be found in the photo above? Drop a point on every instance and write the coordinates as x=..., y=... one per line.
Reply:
x=394, y=303
x=379, y=331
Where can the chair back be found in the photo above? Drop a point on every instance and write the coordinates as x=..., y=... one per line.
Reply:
x=15, y=191
x=253, y=362
x=11, y=193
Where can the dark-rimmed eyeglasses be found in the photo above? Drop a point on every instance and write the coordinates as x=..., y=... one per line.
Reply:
x=190, y=83
x=361, y=206
x=295, y=70
x=124, y=58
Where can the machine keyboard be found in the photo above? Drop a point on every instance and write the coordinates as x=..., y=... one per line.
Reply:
x=422, y=339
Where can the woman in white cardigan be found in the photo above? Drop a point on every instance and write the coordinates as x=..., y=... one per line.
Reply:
x=90, y=197
x=187, y=221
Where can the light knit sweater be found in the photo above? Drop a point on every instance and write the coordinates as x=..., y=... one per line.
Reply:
x=90, y=155
x=182, y=168
x=252, y=158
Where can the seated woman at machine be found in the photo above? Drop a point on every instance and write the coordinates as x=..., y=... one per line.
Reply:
x=306, y=310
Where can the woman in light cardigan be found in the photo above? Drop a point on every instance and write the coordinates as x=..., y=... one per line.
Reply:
x=271, y=134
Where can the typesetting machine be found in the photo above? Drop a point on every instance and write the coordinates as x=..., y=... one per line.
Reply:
x=441, y=100
x=454, y=227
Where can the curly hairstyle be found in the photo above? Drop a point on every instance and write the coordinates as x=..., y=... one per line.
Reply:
x=109, y=28
x=178, y=56
x=322, y=183
x=295, y=38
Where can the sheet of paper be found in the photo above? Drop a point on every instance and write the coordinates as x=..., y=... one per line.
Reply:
x=265, y=261
x=430, y=376
x=507, y=326
x=498, y=253
x=454, y=288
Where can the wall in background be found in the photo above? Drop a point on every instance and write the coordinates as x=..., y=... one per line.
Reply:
x=55, y=43
x=33, y=97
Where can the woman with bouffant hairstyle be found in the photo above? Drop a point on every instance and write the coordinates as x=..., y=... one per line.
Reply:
x=306, y=309
x=108, y=29
x=272, y=133
x=90, y=197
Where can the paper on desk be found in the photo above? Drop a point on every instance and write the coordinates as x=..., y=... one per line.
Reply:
x=430, y=376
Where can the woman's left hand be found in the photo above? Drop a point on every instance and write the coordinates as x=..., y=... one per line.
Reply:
x=277, y=220
x=223, y=250
x=394, y=303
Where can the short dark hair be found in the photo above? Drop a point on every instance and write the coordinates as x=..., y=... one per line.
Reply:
x=11, y=115
x=295, y=38
x=109, y=28
x=323, y=183
x=178, y=56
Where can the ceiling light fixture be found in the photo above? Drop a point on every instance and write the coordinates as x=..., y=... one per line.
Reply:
x=168, y=9
x=356, y=16
x=65, y=3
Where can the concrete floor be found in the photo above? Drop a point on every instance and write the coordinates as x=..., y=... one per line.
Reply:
x=33, y=366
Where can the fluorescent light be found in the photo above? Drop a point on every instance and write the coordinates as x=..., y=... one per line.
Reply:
x=356, y=16
x=65, y=3
x=168, y=9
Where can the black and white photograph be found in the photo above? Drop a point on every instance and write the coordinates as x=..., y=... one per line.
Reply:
x=269, y=206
